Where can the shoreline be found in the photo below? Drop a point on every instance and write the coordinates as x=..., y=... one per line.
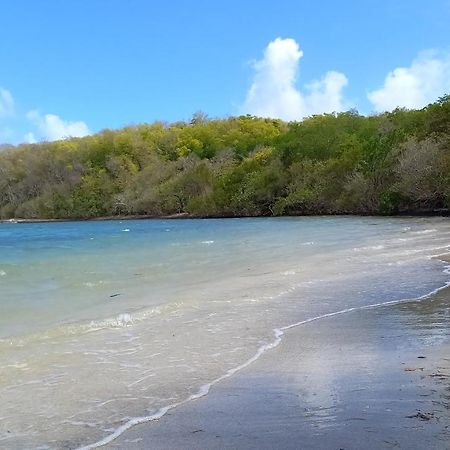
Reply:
x=185, y=216
x=280, y=334
x=411, y=390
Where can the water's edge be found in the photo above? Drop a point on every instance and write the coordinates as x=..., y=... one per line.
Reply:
x=440, y=213
x=278, y=334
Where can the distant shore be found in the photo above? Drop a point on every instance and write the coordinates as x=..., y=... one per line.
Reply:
x=99, y=219
x=437, y=213
x=370, y=379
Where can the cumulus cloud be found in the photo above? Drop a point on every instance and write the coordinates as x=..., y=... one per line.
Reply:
x=426, y=79
x=17, y=127
x=30, y=138
x=51, y=127
x=6, y=103
x=326, y=94
x=274, y=93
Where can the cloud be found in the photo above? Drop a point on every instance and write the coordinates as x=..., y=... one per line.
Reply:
x=273, y=92
x=30, y=138
x=6, y=103
x=17, y=127
x=51, y=127
x=326, y=95
x=426, y=79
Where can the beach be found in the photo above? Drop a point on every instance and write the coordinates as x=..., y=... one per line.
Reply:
x=263, y=332
x=372, y=379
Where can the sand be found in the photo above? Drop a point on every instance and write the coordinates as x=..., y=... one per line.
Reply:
x=370, y=379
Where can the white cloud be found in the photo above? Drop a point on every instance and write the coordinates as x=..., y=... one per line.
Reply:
x=51, y=127
x=6, y=103
x=325, y=95
x=426, y=79
x=273, y=92
x=39, y=126
x=30, y=138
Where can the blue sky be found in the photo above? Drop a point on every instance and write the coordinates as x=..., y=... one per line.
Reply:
x=73, y=67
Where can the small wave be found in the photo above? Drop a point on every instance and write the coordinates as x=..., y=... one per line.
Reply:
x=207, y=242
x=91, y=284
x=126, y=229
x=20, y=366
x=73, y=329
x=2, y=273
x=288, y=272
x=431, y=230
x=120, y=321
x=124, y=320
x=368, y=247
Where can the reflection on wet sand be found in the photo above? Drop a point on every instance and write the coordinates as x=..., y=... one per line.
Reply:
x=369, y=379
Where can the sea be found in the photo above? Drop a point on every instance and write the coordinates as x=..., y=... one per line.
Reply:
x=108, y=324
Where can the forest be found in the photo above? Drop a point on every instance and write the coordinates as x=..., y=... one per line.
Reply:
x=342, y=163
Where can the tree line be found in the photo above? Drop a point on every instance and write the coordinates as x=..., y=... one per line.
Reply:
x=345, y=163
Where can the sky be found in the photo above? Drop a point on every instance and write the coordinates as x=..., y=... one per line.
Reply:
x=75, y=67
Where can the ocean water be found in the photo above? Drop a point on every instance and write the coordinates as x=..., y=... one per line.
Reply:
x=107, y=324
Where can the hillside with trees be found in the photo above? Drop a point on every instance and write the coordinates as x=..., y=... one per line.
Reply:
x=346, y=163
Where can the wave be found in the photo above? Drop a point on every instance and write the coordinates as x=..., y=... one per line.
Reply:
x=368, y=247
x=278, y=334
x=288, y=272
x=122, y=320
x=427, y=231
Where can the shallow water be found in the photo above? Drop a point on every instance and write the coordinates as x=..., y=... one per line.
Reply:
x=103, y=322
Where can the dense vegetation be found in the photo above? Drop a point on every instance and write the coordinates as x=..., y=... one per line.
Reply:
x=329, y=164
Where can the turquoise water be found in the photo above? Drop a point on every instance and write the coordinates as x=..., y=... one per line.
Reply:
x=160, y=308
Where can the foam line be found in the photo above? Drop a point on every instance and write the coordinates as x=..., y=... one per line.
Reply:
x=278, y=333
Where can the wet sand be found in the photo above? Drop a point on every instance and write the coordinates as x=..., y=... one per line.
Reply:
x=369, y=379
